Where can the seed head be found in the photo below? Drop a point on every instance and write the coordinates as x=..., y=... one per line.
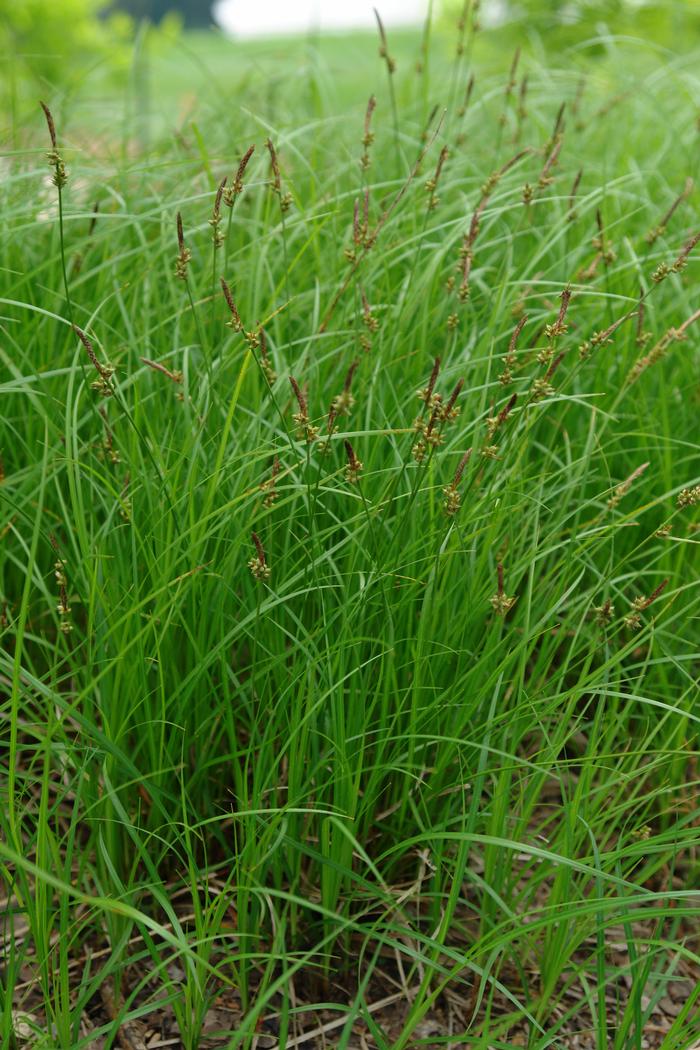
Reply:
x=432, y=183
x=50, y=123
x=689, y=497
x=235, y=190
x=500, y=601
x=450, y=411
x=506, y=376
x=431, y=433
x=63, y=606
x=265, y=363
x=215, y=221
x=235, y=323
x=661, y=273
x=269, y=485
x=633, y=620
x=383, y=45
x=60, y=175
x=343, y=403
x=426, y=394
x=368, y=319
x=354, y=466
x=604, y=613
x=104, y=371
x=368, y=137
x=258, y=564
x=542, y=388
x=305, y=430
x=682, y=260
x=452, y=501
x=624, y=487
x=660, y=229
x=285, y=199
x=184, y=254
x=175, y=377
x=419, y=450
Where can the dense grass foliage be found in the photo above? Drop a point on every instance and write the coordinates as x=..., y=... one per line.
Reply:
x=408, y=701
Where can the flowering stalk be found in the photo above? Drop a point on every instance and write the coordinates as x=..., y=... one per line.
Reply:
x=305, y=430
x=633, y=619
x=506, y=375
x=59, y=179
x=500, y=601
x=104, y=372
x=354, y=466
x=452, y=501
x=368, y=136
x=390, y=64
x=258, y=563
x=231, y=194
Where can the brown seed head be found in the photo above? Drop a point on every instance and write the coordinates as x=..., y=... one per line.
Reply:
x=274, y=164
x=368, y=135
x=450, y=411
x=216, y=214
x=433, y=379
x=50, y=123
x=461, y=467
x=506, y=410
x=258, y=547
x=235, y=321
x=299, y=395
x=242, y=165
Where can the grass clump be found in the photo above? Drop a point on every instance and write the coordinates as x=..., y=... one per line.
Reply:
x=349, y=584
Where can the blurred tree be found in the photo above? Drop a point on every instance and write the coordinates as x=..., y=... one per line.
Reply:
x=559, y=23
x=192, y=12
x=43, y=37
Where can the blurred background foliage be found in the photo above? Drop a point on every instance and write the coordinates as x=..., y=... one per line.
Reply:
x=48, y=46
x=43, y=36
x=56, y=42
x=560, y=23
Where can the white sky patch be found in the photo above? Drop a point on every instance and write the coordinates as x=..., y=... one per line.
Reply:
x=249, y=18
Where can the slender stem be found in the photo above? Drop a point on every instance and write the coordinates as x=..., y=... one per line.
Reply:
x=64, y=268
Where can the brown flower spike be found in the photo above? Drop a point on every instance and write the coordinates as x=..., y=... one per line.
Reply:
x=258, y=564
x=501, y=603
